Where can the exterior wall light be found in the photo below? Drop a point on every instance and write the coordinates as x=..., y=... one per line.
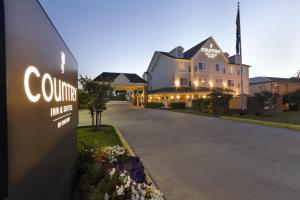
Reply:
x=177, y=97
x=211, y=84
x=196, y=83
x=172, y=97
x=177, y=83
x=188, y=96
x=204, y=96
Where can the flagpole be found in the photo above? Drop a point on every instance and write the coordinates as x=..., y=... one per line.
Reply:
x=241, y=64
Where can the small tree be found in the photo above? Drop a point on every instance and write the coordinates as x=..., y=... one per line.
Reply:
x=292, y=98
x=266, y=98
x=102, y=93
x=89, y=89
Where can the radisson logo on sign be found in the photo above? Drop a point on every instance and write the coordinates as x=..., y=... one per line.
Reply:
x=52, y=90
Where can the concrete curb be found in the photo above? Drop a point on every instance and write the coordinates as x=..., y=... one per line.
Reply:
x=263, y=123
x=132, y=153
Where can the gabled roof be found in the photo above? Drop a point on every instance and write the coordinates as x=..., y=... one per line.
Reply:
x=264, y=79
x=111, y=76
x=192, y=51
x=169, y=55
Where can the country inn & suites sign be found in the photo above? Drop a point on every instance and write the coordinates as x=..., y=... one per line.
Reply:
x=38, y=105
x=58, y=91
x=210, y=52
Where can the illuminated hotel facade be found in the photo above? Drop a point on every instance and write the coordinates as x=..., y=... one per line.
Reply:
x=181, y=75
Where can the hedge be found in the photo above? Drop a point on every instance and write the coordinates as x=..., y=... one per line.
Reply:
x=177, y=105
x=203, y=105
x=154, y=105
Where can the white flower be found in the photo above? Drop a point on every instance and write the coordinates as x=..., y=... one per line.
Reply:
x=112, y=172
x=106, y=197
x=120, y=190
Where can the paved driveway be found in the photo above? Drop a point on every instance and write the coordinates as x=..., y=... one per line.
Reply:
x=193, y=157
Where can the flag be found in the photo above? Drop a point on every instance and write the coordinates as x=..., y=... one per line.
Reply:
x=238, y=32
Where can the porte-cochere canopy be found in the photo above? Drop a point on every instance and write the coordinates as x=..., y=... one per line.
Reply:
x=132, y=83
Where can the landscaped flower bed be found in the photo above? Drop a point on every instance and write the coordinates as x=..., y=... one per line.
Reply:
x=109, y=173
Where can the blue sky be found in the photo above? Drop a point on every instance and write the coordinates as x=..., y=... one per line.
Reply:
x=122, y=35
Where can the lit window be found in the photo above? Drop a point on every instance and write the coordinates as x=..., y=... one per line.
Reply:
x=219, y=82
x=231, y=70
x=183, y=67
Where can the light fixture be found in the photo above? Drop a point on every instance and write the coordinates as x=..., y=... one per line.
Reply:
x=204, y=96
x=196, y=83
x=187, y=96
x=177, y=97
x=172, y=97
x=177, y=83
x=211, y=84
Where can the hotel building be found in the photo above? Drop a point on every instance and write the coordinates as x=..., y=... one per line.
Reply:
x=181, y=75
x=274, y=85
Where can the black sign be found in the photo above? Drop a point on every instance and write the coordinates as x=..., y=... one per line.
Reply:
x=3, y=124
x=38, y=105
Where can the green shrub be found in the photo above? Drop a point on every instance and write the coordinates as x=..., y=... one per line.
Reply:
x=206, y=105
x=196, y=104
x=154, y=105
x=177, y=105
x=203, y=105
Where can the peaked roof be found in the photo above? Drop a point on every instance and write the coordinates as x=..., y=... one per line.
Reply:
x=192, y=51
x=111, y=76
x=168, y=54
x=264, y=79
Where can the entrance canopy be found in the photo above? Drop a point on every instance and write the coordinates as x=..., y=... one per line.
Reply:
x=132, y=83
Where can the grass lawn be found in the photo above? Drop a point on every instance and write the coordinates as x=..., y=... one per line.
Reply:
x=191, y=111
x=292, y=117
x=106, y=137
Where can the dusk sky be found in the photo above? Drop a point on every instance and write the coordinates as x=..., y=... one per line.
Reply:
x=122, y=35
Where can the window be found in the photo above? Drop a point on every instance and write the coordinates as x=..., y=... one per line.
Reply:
x=189, y=68
x=150, y=77
x=219, y=67
x=238, y=72
x=183, y=81
x=230, y=83
x=224, y=70
x=219, y=82
x=184, y=67
x=190, y=84
x=195, y=68
x=231, y=70
x=202, y=67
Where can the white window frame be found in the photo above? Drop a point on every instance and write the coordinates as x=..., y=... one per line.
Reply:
x=204, y=67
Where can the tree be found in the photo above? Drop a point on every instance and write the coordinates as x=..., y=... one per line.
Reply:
x=89, y=90
x=292, y=98
x=266, y=98
x=96, y=94
x=103, y=91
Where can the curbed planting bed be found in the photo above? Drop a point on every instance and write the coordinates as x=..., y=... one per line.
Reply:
x=109, y=170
